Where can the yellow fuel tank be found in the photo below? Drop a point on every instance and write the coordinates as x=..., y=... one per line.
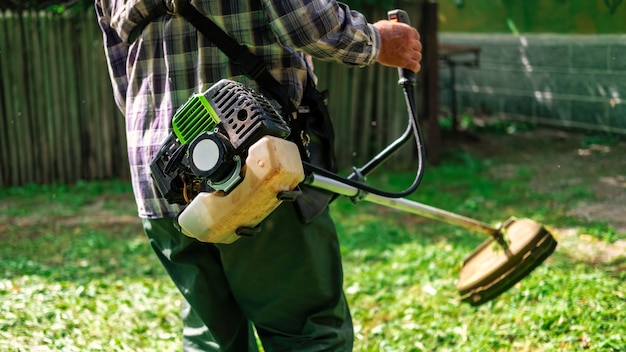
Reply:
x=273, y=165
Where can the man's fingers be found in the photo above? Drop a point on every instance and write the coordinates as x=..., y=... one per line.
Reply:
x=401, y=45
x=414, y=58
x=414, y=66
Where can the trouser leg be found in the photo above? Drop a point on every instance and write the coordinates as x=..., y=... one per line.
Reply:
x=196, y=270
x=196, y=335
x=288, y=281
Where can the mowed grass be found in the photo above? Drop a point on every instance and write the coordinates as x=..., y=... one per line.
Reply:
x=78, y=274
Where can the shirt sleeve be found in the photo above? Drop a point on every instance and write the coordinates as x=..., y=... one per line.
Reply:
x=324, y=29
x=116, y=52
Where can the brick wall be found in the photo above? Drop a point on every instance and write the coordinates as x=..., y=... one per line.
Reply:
x=565, y=80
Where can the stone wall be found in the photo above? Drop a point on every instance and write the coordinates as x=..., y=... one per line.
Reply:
x=565, y=80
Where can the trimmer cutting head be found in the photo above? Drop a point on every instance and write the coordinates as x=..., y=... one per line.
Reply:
x=504, y=260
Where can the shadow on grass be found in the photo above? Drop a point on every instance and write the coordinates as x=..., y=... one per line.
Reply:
x=74, y=233
x=79, y=253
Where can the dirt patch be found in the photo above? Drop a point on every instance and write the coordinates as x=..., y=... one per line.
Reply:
x=610, y=203
x=36, y=217
x=588, y=248
x=560, y=160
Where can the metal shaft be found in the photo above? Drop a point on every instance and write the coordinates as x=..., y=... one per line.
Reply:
x=403, y=204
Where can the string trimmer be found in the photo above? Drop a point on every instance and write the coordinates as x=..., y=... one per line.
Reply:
x=229, y=162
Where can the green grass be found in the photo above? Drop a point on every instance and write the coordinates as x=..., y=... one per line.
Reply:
x=401, y=275
x=78, y=274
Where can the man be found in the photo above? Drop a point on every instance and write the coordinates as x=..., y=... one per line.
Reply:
x=285, y=283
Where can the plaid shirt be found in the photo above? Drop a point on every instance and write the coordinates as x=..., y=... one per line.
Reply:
x=156, y=73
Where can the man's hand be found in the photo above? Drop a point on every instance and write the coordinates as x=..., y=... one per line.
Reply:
x=400, y=45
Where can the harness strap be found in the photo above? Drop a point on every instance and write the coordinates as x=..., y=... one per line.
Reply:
x=250, y=64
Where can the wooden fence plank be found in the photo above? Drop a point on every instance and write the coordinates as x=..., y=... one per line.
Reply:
x=355, y=119
x=71, y=144
x=49, y=79
x=28, y=145
x=63, y=104
x=52, y=150
x=71, y=99
x=20, y=113
x=87, y=108
x=38, y=81
x=381, y=107
x=366, y=110
x=106, y=122
x=35, y=77
x=57, y=108
x=14, y=53
x=339, y=91
x=5, y=152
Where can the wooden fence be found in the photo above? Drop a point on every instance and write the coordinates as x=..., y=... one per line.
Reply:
x=59, y=122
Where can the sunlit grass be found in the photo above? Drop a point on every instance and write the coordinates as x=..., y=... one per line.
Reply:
x=78, y=274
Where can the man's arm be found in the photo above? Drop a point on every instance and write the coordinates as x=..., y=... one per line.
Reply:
x=324, y=29
x=327, y=29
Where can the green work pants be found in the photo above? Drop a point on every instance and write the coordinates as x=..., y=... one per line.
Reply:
x=286, y=282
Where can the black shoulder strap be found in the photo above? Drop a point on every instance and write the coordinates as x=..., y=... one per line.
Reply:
x=251, y=65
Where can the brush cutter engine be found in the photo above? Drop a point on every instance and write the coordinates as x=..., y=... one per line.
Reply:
x=211, y=135
x=228, y=145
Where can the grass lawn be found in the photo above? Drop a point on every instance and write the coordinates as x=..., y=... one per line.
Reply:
x=78, y=275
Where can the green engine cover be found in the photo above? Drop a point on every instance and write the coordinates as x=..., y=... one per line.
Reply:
x=194, y=117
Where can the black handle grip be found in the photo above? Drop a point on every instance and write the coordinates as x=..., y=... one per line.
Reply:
x=397, y=15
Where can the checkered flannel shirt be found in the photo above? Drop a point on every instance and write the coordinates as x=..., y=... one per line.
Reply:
x=169, y=61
